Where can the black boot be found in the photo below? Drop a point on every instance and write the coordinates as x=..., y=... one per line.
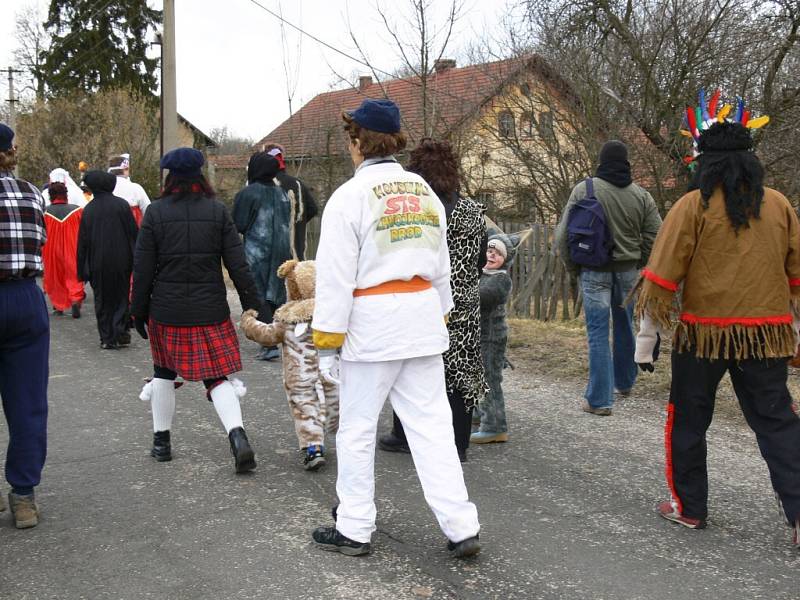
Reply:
x=124, y=338
x=76, y=310
x=162, y=449
x=242, y=452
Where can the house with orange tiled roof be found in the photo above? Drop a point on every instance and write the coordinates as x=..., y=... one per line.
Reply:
x=481, y=109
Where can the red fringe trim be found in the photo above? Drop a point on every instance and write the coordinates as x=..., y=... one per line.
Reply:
x=745, y=321
x=794, y=282
x=668, y=457
x=664, y=283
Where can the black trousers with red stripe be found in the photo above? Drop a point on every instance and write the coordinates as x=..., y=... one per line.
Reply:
x=760, y=387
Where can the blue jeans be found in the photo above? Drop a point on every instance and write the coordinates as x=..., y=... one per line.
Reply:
x=603, y=295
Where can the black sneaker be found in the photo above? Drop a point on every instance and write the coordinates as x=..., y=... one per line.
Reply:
x=329, y=538
x=124, y=339
x=76, y=311
x=162, y=449
x=314, y=457
x=463, y=549
x=243, y=454
x=391, y=443
x=109, y=346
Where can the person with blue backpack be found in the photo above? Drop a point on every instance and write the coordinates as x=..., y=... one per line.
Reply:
x=605, y=236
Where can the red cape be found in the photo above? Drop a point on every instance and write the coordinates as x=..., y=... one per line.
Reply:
x=61, y=282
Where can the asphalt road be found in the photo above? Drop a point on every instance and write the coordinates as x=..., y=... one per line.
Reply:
x=566, y=507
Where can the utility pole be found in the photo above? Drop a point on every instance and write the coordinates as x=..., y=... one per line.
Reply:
x=12, y=101
x=169, y=99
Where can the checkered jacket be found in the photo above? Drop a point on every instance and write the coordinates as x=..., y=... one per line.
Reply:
x=22, y=229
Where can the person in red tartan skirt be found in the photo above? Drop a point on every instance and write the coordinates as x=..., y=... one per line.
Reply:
x=61, y=281
x=180, y=301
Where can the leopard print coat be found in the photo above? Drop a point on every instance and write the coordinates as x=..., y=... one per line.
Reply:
x=462, y=361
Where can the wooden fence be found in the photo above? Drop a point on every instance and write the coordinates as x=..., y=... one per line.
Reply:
x=542, y=288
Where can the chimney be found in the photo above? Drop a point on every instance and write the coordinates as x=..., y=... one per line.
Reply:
x=364, y=82
x=443, y=64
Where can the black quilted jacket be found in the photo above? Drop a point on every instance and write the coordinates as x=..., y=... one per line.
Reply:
x=177, y=275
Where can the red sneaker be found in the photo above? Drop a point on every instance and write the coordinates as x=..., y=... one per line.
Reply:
x=669, y=511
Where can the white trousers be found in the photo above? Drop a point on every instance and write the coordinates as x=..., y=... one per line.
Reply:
x=416, y=389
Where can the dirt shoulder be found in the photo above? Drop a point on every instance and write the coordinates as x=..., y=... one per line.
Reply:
x=558, y=351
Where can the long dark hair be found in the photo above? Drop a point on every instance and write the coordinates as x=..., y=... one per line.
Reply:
x=727, y=160
x=176, y=185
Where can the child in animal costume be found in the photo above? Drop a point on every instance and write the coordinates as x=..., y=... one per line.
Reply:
x=314, y=402
x=495, y=287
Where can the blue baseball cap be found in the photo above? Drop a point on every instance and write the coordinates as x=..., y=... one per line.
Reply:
x=185, y=162
x=6, y=137
x=381, y=115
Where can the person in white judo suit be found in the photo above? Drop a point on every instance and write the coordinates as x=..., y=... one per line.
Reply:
x=383, y=295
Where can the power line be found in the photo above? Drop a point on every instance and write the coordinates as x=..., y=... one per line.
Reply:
x=350, y=56
x=320, y=41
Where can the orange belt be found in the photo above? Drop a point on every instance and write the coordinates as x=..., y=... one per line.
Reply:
x=396, y=286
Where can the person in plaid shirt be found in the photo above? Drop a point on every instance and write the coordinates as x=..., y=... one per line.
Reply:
x=24, y=334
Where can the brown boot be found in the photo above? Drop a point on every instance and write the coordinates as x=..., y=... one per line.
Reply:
x=24, y=509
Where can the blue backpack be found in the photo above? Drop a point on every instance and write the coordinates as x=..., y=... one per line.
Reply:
x=589, y=238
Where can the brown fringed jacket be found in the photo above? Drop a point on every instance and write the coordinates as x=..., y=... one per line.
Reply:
x=738, y=287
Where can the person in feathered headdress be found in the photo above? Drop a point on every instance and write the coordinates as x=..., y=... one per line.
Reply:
x=732, y=246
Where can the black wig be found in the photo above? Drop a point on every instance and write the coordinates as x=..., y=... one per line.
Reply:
x=727, y=159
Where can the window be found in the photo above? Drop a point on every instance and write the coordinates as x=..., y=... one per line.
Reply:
x=527, y=125
x=525, y=90
x=546, y=124
x=505, y=124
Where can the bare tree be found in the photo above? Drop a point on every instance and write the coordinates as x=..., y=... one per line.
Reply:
x=420, y=44
x=227, y=143
x=33, y=43
x=90, y=127
x=650, y=57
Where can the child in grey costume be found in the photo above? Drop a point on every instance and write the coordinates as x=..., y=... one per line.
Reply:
x=495, y=287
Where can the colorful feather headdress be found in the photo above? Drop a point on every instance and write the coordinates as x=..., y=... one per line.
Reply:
x=705, y=114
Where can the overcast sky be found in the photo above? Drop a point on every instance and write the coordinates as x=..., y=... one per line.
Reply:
x=231, y=53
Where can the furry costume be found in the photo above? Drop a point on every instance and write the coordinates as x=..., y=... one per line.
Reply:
x=292, y=329
x=495, y=287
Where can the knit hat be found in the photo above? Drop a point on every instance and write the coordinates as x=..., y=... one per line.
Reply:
x=100, y=181
x=6, y=137
x=504, y=245
x=183, y=162
x=499, y=246
x=613, y=150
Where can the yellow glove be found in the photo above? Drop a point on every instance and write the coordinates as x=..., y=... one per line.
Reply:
x=327, y=341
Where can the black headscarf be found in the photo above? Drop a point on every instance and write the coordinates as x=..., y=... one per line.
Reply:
x=262, y=168
x=614, y=166
x=100, y=181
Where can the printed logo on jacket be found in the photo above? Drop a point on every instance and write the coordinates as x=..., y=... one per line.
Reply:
x=406, y=216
